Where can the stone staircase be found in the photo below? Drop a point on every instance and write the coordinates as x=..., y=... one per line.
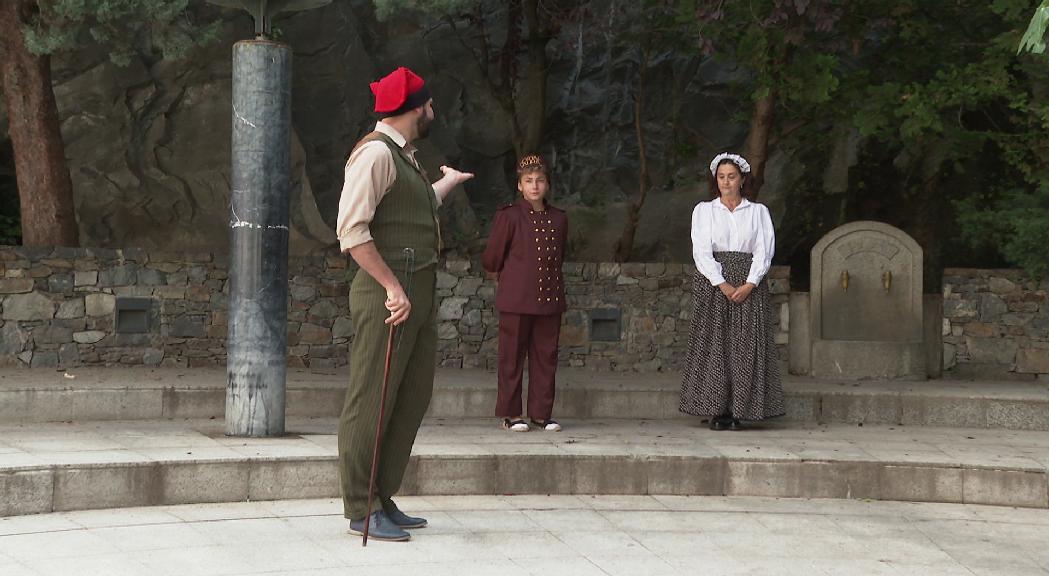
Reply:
x=106, y=438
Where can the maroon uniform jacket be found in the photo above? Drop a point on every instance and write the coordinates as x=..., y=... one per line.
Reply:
x=526, y=249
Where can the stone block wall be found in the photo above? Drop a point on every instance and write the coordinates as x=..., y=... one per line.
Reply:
x=995, y=323
x=652, y=302
x=58, y=309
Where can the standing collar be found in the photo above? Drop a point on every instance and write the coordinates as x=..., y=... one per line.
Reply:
x=525, y=204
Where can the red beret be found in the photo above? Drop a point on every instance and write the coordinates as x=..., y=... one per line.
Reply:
x=400, y=91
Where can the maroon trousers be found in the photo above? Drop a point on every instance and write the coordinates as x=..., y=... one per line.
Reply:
x=536, y=336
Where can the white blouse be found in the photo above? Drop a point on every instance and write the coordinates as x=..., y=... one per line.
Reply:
x=747, y=229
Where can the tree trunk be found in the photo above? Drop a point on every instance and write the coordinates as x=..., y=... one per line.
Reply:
x=926, y=209
x=533, y=126
x=44, y=186
x=625, y=245
x=507, y=94
x=761, y=123
x=757, y=148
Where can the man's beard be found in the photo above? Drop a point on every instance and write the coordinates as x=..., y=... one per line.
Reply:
x=422, y=127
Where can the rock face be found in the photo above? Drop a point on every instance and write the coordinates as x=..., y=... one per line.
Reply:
x=148, y=149
x=148, y=144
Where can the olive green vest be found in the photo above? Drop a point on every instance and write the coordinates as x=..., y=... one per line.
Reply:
x=406, y=217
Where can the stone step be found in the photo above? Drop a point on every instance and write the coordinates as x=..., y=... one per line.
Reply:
x=56, y=467
x=95, y=394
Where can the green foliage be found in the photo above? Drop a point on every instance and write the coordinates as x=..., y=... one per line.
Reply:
x=1017, y=224
x=963, y=118
x=953, y=126
x=1034, y=39
x=124, y=27
x=655, y=24
x=927, y=75
x=811, y=78
x=790, y=46
x=10, y=231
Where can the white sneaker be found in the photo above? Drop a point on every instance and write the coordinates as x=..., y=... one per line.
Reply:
x=548, y=426
x=516, y=425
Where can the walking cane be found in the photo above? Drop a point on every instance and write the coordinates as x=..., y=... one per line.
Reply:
x=409, y=260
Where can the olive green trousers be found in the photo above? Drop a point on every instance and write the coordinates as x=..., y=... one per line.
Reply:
x=408, y=393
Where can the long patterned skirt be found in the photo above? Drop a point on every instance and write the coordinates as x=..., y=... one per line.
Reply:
x=731, y=367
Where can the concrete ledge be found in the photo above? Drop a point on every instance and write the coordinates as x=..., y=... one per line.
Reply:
x=867, y=359
x=527, y=474
x=687, y=475
x=121, y=486
x=451, y=475
x=1005, y=487
x=920, y=483
x=29, y=396
x=26, y=492
x=59, y=467
x=286, y=480
x=107, y=486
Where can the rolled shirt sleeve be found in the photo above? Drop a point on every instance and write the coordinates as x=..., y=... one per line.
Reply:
x=764, y=246
x=369, y=173
x=703, y=245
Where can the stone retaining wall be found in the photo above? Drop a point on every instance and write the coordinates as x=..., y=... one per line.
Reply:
x=995, y=323
x=58, y=308
x=650, y=304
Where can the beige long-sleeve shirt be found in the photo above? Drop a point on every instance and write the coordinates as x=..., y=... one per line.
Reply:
x=369, y=173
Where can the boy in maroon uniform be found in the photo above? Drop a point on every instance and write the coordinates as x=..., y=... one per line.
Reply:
x=524, y=253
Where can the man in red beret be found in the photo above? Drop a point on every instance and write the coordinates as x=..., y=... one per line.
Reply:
x=388, y=205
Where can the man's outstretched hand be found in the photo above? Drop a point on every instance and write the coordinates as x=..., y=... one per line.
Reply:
x=456, y=177
x=451, y=179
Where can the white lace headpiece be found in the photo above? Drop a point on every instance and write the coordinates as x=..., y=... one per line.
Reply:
x=738, y=160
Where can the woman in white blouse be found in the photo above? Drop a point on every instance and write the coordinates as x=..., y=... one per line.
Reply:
x=731, y=369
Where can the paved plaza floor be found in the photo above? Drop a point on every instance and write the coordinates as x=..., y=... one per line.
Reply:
x=95, y=441
x=166, y=441
x=539, y=535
